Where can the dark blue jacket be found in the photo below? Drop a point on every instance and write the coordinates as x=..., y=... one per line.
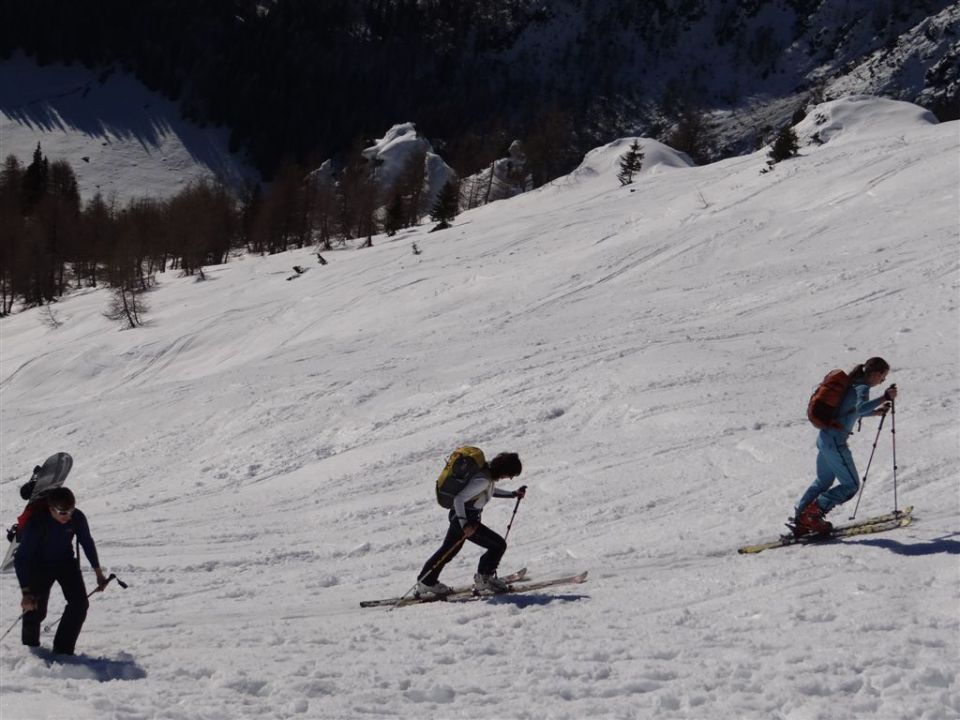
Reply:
x=46, y=544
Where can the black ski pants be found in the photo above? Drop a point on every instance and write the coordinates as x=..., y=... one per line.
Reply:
x=486, y=538
x=70, y=579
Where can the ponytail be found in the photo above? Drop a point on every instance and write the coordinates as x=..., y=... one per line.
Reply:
x=874, y=364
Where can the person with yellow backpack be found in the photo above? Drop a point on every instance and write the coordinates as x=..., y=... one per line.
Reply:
x=835, y=406
x=465, y=486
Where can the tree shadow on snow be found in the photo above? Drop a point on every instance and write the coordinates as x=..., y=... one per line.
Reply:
x=107, y=106
x=528, y=600
x=84, y=667
x=937, y=546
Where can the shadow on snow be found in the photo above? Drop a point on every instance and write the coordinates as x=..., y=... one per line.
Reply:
x=938, y=546
x=84, y=667
x=527, y=600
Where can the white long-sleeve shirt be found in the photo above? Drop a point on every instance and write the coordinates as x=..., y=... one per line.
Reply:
x=475, y=494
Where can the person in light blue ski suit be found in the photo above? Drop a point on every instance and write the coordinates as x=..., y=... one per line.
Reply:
x=834, y=460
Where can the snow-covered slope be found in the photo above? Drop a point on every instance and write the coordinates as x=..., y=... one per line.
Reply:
x=260, y=457
x=121, y=139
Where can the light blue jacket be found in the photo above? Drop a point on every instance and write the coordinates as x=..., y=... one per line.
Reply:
x=856, y=404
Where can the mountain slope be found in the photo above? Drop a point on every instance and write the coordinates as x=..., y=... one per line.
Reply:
x=260, y=457
x=121, y=140
x=301, y=80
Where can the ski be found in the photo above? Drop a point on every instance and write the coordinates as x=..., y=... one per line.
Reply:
x=880, y=523
x=518, y=576
x=525, y=587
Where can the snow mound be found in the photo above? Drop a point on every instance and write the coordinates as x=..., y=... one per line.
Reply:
x=859, y=116
x=604, y=162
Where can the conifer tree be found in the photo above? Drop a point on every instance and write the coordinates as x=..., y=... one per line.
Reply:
x=59, y=213
x=35, y=181
x=447, y=204
x=690, y=133
x=785, y=146
x=410, y=186
x=11, y=237
x=395, y=215
x=630, y=163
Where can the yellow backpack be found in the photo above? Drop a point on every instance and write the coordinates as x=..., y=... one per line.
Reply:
x=464, y=463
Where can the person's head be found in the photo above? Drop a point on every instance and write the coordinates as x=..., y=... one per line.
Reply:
x=873, y=371
x=62, y=504
x=505, y=465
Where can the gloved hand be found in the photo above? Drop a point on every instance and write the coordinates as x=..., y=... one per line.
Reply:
x=28, y=602
x=102, y=581
x=521, y=491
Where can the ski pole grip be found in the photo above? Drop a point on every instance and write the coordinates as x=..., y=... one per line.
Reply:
x=120, y=582
x=110, y=578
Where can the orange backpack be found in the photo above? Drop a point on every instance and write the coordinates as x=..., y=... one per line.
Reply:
x=826, y=399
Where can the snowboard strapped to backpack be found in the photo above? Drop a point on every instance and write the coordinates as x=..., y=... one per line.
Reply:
x=462, y=465
x=46, y=478
x=826, y=399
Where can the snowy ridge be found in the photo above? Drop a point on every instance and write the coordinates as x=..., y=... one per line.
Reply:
x=260, y=457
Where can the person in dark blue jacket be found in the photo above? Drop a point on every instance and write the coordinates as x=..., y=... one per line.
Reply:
x=834, y=459
x=45, y=556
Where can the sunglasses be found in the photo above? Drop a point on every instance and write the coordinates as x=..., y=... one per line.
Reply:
x=62, y=513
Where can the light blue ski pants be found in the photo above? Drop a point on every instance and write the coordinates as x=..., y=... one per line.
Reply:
x=834, y=462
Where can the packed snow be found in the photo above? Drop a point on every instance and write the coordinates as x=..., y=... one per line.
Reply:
x=260, y=457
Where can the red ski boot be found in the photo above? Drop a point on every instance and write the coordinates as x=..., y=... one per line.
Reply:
x=810, y=521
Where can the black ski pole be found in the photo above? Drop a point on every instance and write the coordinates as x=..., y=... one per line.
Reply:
x=515, y=508
x=893, y=437
x=121, y=583
x=864, y=482
x=13, y=626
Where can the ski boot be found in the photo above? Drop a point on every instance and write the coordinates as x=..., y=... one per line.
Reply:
x=810, y=521
x=488, y=583
x=438, y=589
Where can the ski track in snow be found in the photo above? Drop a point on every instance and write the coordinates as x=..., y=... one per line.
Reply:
x=259, y=457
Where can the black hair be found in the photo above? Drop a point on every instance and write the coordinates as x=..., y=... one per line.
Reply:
x=506, y=465
x=61, y=498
